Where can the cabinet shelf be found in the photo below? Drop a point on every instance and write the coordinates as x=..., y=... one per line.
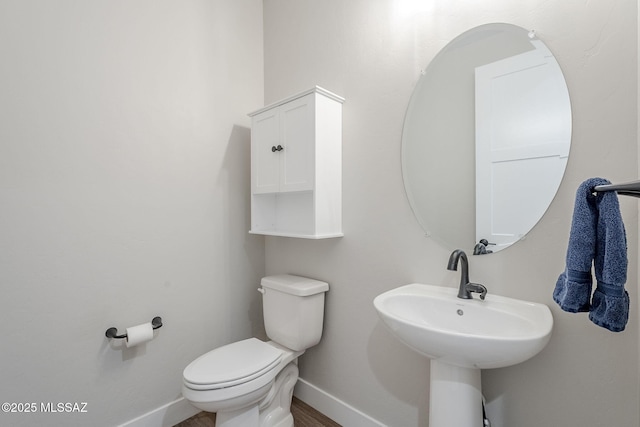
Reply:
x=296, y=235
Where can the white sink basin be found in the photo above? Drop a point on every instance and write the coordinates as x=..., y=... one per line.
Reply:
x=493, y=333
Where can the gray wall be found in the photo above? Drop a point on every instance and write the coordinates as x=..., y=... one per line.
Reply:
x=124, y=194
x=371, y=53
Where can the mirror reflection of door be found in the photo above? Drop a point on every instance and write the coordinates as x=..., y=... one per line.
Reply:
x=522, y=143
x=528, y=129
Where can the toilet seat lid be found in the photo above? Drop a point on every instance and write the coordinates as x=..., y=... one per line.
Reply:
x=232, y=364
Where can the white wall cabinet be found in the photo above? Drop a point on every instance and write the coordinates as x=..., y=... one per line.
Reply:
x=296, y=166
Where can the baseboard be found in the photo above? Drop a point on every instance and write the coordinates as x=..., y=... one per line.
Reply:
x=344, y=414
x=339, y=411
x=165, y=416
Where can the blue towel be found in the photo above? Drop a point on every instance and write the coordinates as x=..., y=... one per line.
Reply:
x=597, y=235
x=610, y=303
x=573, y=288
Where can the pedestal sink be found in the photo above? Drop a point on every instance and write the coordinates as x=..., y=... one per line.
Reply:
x=461, y=337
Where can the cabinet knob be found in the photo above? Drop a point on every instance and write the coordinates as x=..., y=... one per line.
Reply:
x=278, y=148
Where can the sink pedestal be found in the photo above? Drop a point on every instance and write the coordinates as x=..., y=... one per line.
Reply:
x=455, y=396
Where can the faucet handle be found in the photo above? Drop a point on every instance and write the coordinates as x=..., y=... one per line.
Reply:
x=477, y=288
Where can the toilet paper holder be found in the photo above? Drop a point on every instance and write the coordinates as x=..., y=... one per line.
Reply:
x=113, y=332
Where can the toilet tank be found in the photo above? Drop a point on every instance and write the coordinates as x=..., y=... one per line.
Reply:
x=293, y=309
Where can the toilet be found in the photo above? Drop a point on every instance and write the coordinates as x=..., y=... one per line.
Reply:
x=250, y=383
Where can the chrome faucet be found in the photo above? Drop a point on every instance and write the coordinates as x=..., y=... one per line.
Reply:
x=466, y=288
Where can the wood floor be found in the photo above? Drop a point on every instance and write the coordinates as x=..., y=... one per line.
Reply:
x=303, y=416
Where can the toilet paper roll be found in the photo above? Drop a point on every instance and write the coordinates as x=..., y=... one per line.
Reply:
x=139, y=334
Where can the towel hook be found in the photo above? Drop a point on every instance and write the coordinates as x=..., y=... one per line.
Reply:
x=626, y=189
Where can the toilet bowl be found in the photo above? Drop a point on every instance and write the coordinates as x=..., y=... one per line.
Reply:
x=231, y=379
x=250, y=383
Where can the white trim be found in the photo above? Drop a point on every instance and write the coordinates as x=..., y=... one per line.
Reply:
x=316, y=89
x=180, y=409
x=332, y=407
x=165, y=416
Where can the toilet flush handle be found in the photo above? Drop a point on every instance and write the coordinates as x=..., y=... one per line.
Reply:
x=261, y=290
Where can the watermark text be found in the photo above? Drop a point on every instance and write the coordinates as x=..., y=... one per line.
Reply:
x=47, y=407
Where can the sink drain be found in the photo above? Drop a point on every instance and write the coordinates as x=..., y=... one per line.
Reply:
x=460, y=312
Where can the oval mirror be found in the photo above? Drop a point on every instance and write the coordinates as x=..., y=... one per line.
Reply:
x=486, y=138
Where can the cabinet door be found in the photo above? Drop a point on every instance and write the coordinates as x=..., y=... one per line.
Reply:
x=297, y=165
x=265, y=163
